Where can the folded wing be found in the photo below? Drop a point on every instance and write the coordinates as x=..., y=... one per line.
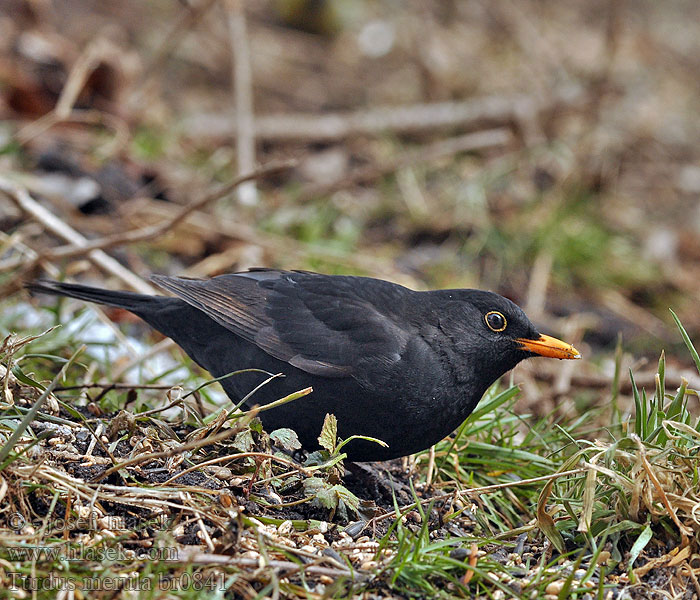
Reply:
x=333, y=326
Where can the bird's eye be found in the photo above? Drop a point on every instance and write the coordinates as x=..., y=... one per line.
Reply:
x=496, y=321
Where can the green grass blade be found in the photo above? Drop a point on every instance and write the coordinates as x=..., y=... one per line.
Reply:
x=639, y=416
x=660, y=380
x=639, y=545
x=616, y=381
x=677, y=403
x=493, y=404
x=687, y=340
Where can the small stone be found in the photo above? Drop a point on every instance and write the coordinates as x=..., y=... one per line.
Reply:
x=554, y=587
x=223, y=473
x=414, y=517
x=94, y=409
x=285, y=527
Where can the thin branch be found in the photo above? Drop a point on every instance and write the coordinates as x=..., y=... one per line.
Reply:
x=147, y=233
x=242, y=80
x=397, y=119
x=26, y=203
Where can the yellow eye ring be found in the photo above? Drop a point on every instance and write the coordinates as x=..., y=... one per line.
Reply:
x=495, y=321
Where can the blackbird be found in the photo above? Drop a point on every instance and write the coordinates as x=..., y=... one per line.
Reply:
x=403, y=366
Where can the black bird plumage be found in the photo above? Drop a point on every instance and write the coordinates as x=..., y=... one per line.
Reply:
x=403, y=366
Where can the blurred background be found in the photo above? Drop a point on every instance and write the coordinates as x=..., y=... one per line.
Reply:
x=545, y=150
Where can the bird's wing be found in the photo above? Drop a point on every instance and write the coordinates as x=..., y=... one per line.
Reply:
x=332, y=326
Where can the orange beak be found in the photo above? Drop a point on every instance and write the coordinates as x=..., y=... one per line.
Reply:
x=549, y=346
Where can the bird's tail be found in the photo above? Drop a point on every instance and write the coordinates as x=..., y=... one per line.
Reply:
x=128, y=300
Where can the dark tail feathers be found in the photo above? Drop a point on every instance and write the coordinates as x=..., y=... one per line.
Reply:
x=128, y=300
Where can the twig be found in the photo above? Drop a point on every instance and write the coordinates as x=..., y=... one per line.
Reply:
x=431, y=466
x=399, y=119
x=243, y=93
x=147, y=233
x=25, y=202
x=203, y=531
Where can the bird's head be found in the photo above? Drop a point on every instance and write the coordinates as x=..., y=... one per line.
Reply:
x=495, y=334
